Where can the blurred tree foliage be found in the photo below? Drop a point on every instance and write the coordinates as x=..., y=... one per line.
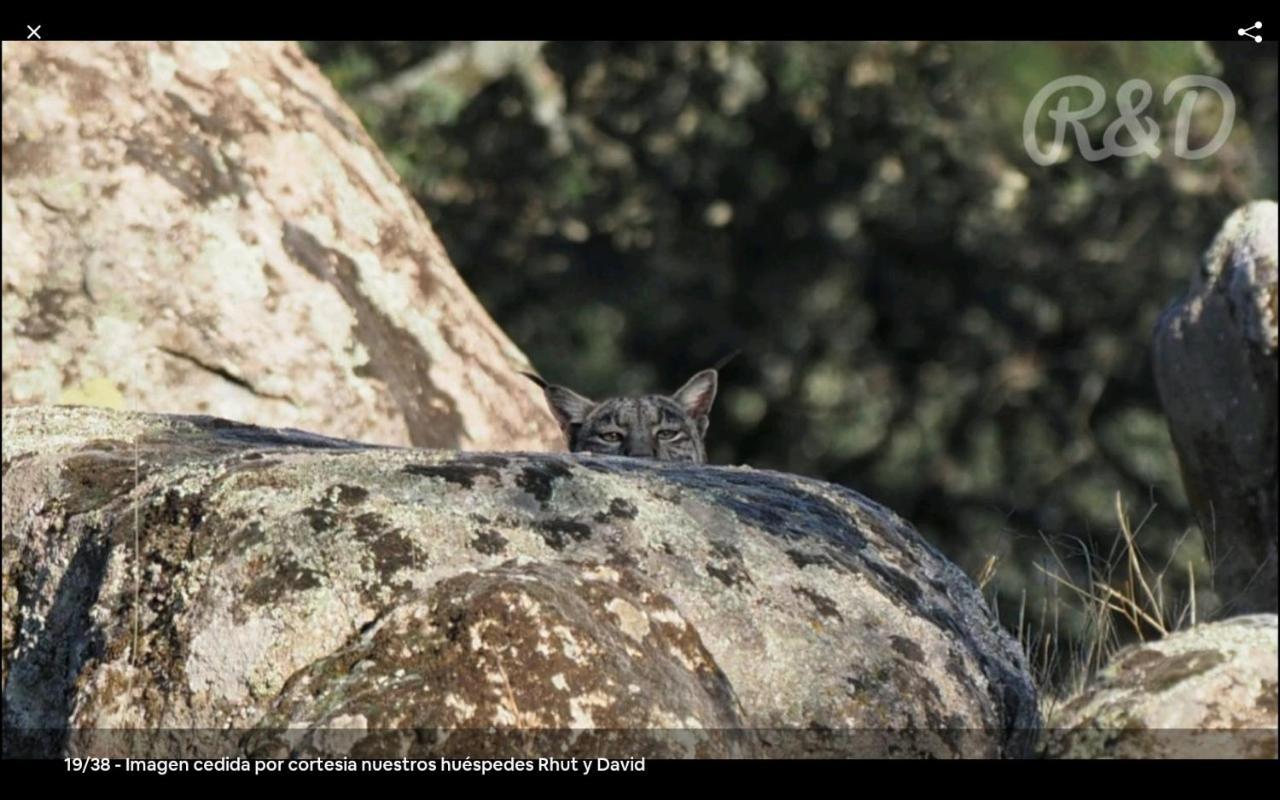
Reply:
x=925, y=314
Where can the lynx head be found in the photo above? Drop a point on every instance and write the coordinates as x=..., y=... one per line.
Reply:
x=655, y=426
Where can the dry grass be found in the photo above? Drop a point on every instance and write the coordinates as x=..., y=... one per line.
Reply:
x=1122, y=598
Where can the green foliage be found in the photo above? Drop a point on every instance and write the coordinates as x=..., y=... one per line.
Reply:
x=925, y=314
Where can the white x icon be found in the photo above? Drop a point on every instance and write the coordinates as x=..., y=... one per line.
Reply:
x=35, y=32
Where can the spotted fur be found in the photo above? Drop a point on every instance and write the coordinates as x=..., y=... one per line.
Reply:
x=666, y=428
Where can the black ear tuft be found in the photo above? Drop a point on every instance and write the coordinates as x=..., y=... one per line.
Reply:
x=569, y=407
x=541, y=383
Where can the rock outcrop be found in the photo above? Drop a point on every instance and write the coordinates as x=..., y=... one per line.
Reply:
x=234, y=589
x=1216, y=368
x=205, y=228
x=1207, y=692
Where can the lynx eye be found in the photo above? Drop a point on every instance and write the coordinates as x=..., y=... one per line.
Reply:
x=668, y=434
x=611, y=436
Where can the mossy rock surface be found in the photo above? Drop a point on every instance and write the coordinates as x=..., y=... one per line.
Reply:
x=355, y=593
x=1207, y=692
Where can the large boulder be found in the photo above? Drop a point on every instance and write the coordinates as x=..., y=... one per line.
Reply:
x=1215, y=364
x=289, y=593
x=1207, y=692
x=205, y=228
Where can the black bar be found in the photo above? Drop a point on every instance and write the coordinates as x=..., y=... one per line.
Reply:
x=1115, y=22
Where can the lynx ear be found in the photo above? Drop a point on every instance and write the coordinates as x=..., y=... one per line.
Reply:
x=696, y=397
x=569, y=407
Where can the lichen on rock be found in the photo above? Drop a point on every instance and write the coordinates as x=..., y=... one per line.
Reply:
x=1206, y=692
x=1215, y=363
x=284, y=592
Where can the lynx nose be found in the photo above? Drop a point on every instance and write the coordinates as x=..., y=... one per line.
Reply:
x=639, y=446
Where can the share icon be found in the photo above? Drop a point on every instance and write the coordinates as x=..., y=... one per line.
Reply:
x=1245, y=32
